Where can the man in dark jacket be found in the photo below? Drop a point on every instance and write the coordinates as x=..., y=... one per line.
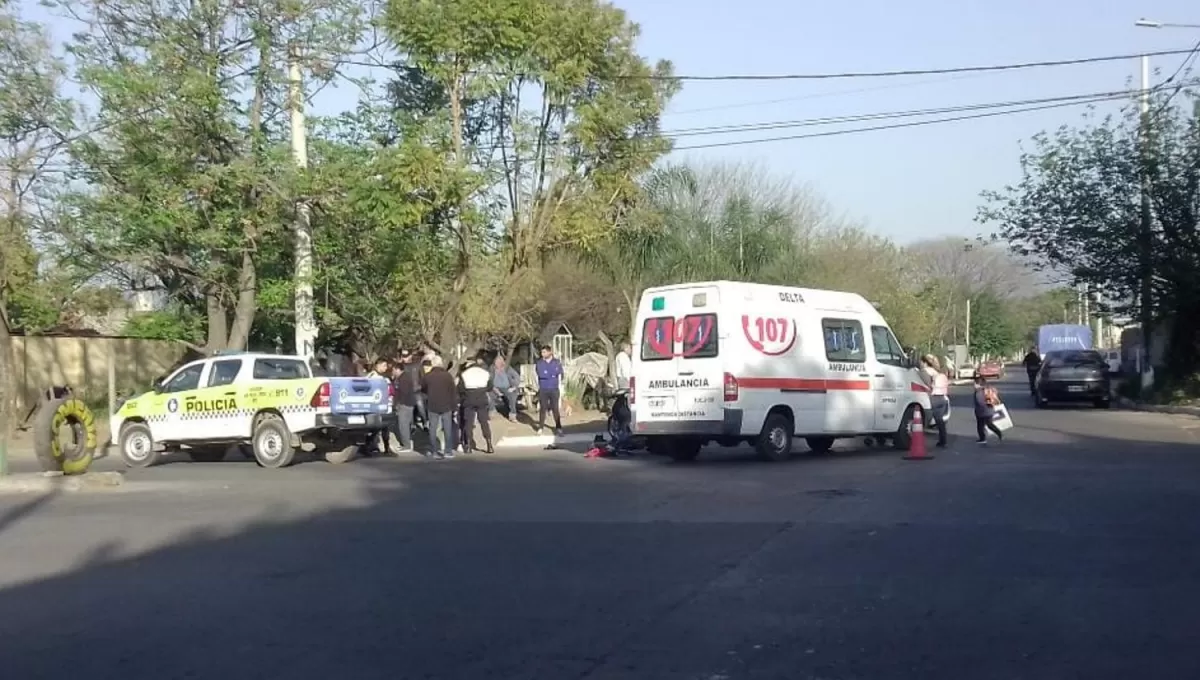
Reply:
x=549, y=374
x=475, y=386
x=441, y=400
x=1033, y=363
x=406, y=379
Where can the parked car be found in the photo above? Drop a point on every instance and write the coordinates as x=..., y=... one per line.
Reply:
x=992, y=370
x=1073, y=376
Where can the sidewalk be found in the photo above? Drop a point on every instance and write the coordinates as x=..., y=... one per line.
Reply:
x=579, y=427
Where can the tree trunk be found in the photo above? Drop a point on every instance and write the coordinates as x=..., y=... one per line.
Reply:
x=243, y=314
x=611, y=353
x=218, y=322
x=8, y=385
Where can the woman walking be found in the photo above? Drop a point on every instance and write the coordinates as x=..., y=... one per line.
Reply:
x=986, y=401
x=939, y=394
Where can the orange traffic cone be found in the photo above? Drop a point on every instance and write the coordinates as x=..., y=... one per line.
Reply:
x=916, y=439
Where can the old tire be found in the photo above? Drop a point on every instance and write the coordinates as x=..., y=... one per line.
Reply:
x=774, y=443
x=819, y=444
x=272, y=442
x=56, y=455
x=342, y=455
x=136, y=446
x=207, y=454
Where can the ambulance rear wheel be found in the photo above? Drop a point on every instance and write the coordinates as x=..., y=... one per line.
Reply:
x=775, y=441
x=136, y=446
x=272, y=442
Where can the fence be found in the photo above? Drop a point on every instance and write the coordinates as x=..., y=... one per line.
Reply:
x=40, y=362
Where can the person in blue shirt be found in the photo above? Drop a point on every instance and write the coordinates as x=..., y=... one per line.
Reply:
x=549, y=374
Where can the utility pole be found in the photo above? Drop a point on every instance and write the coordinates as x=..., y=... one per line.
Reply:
x=967, y=338
x=306, y=327
x=1146, y=233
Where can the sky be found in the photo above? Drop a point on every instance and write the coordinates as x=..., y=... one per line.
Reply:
x=909, y=183
x=906, y=183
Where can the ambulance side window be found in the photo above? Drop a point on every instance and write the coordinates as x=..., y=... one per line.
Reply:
x=887, y=350
x=658, y=338
x=844, y=341
x=224, y=372
x=701, y=339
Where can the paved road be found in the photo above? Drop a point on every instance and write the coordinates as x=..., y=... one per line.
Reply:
x=1068, y=551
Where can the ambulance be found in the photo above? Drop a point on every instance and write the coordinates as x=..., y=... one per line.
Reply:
x=731, y=362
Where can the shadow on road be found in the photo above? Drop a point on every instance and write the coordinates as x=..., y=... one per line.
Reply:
x=554, y=569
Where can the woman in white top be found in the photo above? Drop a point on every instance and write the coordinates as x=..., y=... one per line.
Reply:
x=939, y=391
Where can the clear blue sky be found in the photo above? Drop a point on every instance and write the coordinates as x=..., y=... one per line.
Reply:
x=907, y=183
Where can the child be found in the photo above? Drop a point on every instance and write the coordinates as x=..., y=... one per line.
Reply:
x=986, y=401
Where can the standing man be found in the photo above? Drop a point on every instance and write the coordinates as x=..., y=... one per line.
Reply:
x=505, y=382
x=378, y=442
x=405, y=384
x=549, y=373
x=441, y=400
x=1033, y=363
x=624, y=366
x=475, y=384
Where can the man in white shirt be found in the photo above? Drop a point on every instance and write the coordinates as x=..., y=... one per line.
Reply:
x=939, y=394
x=624, y=366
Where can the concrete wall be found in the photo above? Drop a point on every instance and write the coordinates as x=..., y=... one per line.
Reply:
x=82, y=363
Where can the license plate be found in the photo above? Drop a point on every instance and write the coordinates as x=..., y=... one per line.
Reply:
x=356, y=420
x=1075, y=388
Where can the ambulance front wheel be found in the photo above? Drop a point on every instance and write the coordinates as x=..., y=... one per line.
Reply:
x=902, y=440
x=136, y=446
x=775, y=441
x=272, y=442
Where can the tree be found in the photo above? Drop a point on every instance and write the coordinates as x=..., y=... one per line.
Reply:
x=550, y=117
x=993, y=332
x=1077, y=209
x=710, y=222
x=188, y=185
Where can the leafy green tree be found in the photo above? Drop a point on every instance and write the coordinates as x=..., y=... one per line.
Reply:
x=1077, y=208
x=542, y=103
x=993, y=332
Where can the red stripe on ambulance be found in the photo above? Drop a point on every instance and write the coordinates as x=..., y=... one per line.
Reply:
x=803, y=384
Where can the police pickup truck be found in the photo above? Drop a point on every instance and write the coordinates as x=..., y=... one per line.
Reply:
x=269, y=405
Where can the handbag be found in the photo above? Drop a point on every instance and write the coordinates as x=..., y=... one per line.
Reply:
x=1002, y=419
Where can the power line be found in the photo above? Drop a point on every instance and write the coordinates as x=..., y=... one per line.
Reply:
x=895, y=126
x=1183, y=65
x=821, y=95
x=854, y=118
x=853, y=74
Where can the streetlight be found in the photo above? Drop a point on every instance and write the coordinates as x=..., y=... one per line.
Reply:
x=1148, y=23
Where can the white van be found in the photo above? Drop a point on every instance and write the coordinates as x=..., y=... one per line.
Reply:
x=731, y=362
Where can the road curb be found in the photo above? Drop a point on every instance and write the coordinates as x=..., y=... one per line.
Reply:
x=1127, y=403
x=56, y=481
x=543, y=440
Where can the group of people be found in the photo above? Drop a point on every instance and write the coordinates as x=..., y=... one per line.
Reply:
x=987, y=401
x=447, y=401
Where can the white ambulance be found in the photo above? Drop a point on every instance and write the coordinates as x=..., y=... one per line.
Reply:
x=738, y=362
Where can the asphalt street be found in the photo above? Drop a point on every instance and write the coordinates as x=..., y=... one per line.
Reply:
x=1067, y=551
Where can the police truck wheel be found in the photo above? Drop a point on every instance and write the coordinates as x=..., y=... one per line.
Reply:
x=775, y=441
x=819, y=444
x=136, y=446
x=272, y=442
